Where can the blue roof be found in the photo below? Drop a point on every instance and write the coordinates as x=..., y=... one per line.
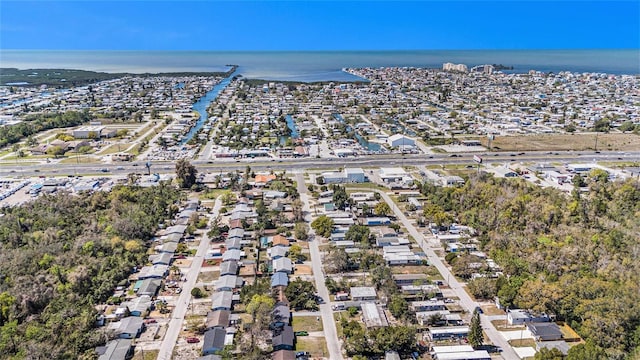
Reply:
x=279, y=279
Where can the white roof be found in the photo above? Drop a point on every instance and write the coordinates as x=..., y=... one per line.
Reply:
x=348, y=171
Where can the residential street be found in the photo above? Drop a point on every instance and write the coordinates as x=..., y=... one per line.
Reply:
x=330, y=332
x=182, y=305
x=465, y=300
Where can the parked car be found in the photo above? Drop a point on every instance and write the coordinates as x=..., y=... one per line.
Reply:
x=478, y=309
x=193, y=340
x=301, y=333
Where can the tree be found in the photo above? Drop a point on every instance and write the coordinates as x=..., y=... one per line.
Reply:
x=358, y=234
x=549, y=354
x=586, y=351
x=295, y=253
x=323, y=225
x=197, y=293
x=301, y=295
x=186, y=173
x=340, y=197
x=382, y=209
x=476, y=338
x=627, y=126
x=578, y=181
x=398, y=306
x=337, y=260
x=602, y=125
x=55, y=151
x=300, y=231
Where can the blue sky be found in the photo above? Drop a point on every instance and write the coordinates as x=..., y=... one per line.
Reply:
x=318, y=25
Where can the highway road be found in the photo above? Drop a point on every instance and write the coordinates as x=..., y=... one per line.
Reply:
x=328, y=323
x=465, y=300
x=182, y=305
x=164, y=167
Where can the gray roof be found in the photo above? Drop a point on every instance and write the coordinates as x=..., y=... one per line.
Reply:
x=235, y=233
x=130, y=325
x=234, y=243
x=545, y=330
x=228, y=281
x=229, y=268
x=363, y=292
x=284, y=337
x=373, y=316
x=281, y=313
x=117, y=349
x=213, y=338
x=231, y=255
x=282, y=264
x=218, y=318
x=139, y=304
x=161, y=259
x=173, y=237
x=279, y=279
x=149, y=287
x=178, y=229
x=222, y=299
x=168, y=247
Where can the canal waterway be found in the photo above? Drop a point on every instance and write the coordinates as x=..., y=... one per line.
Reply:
x=371, y=146
x=294, y=130
x=201, y=107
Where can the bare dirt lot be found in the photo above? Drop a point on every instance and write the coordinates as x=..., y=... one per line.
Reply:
x=577, y=142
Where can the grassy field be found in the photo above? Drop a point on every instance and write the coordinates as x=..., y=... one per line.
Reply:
x=306, y=323
x=577, y=142
x=316, y=346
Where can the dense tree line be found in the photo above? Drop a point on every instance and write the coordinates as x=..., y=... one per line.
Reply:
x=61, y=255
x=36, y=123
x=570, y=255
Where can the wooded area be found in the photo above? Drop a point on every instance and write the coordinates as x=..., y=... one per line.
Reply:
x=33, y=124
x=574, y=255
x=62, y=254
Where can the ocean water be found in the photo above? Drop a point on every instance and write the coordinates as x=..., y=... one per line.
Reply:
x=321, y=65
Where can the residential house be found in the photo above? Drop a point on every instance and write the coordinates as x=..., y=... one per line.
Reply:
x=283, y=339
x=363, y=293
x=228, y=283
x=138, y=306
x=118, y=349
x=277, y=252
x=222, y=300
x=229, y=268
x=283, y=264
x=280, y=316
x=213, y=341
x=283, y=355
x=520, y=316
x=217, y=319
x=279, y=279
x=546, y=331
x=448, y=332
x=373, y=315
x=129, y=327
x=149, y=287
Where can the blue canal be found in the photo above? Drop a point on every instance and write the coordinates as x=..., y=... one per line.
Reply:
x=201, y=107
x=371, y=146
x=294, y=130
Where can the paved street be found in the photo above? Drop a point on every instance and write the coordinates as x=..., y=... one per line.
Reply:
x=465, y=300
x=182, y=305
x=330, y=332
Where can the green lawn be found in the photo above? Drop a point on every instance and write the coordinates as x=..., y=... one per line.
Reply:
x=306, y=323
